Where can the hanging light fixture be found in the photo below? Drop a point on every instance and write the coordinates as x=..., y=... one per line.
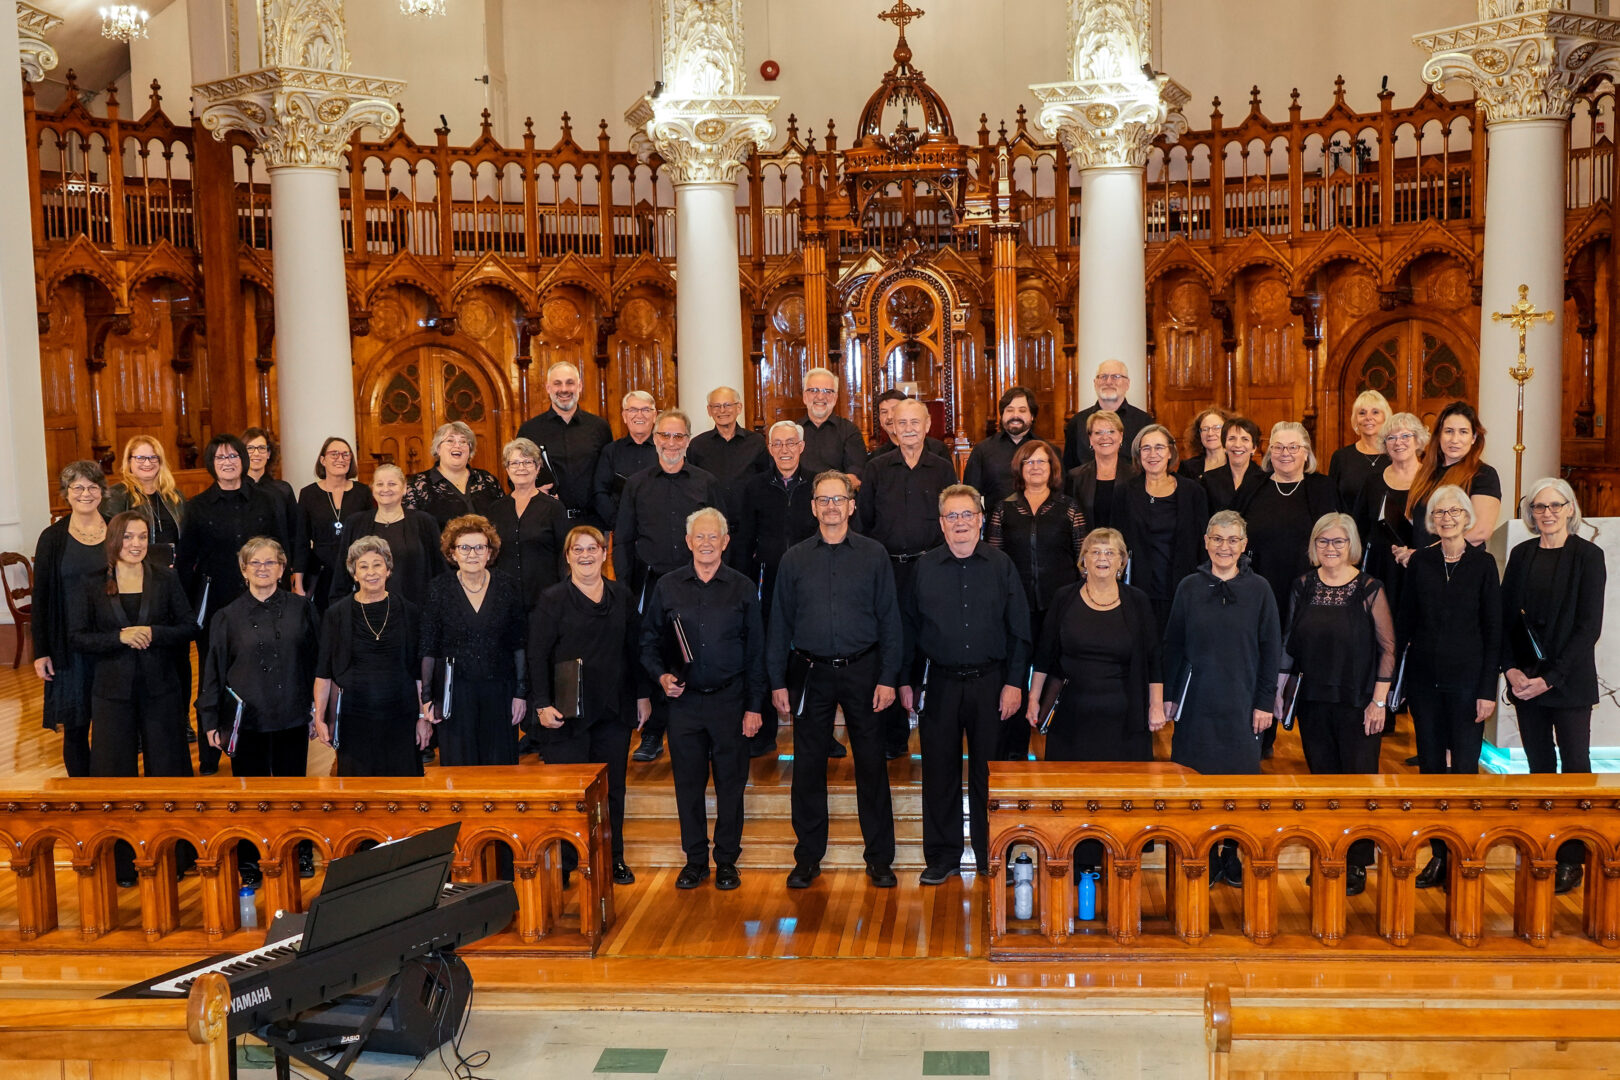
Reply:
x=123, y=22
x=425, y=9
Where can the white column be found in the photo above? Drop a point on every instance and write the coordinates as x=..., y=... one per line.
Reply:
x=1111, y=315
x=708, y=295
x=314, y=368
x=1524, y=233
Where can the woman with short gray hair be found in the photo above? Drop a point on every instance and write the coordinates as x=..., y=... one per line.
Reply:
x=531, y=525
x=452, y=486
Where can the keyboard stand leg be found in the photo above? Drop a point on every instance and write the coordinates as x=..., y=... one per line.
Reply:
x=283, y=1066
x=338, y=1070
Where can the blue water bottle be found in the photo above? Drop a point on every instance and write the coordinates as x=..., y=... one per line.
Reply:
x=1088, y=895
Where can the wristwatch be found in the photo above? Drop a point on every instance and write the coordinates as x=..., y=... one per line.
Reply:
x=1381, y=704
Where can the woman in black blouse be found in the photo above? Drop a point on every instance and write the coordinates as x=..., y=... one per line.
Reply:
x=147, y=485
x=1204, y=436
x=1230, y=486
x=367, y=689
x=590, y=619
x=1552, y=598
x=531, y=524
x=1040, y=529
x=1381, y=508
x=1352, y=465
x=1455, y=457
x=1450, y=617
x=70, y=553
x=1095, y=484
x=472, y=650
x=412, y=535
x=1285, y=507
x=452, y=487
x=261, y=459
x=1340, y=641
x=323, y=507
x=1162, y=517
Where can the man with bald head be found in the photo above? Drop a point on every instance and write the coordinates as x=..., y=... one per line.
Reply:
x=570, y=441
x=1112, y=384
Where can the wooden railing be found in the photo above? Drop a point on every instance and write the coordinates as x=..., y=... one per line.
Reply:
x=531, y=810
x=1048, y=808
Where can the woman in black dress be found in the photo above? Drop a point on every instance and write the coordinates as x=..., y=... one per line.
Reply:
x=1162, y=517
x=531, y=524
x=1455, y=457
x=1040, y=529
x=1449, y=614
x=1231, y=486
x=70, y=553
x=368, y=700
x=472, y=650
x=262, y=454
x=1352, y=465
x=590, y=619
x=1341, y=642
x=1204, y=437
x=452, y=487
x=1094, y=484
x=147, y=485
x=412, y=535
x=1556, y=579
x=1284, y=508
x=323, y=507
x=1221, y=651
x=1381, y=508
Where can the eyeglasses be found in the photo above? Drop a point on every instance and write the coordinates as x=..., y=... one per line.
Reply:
x=335, y=455
x=1153, y=448
x=956, y=517
x=643, y=410
x=1336, y=543
x=472, y=549
x=521, y=463
x=1399, y=437
x=724, y=406
x=704, y=538
x=229, y=455
x=153, y=459
x=1224, y=541
x=584, y=549
x=1450, y=513
x=250, y=449
x=1547, y=507
x=671, y=436
x=830, y=500
x=1107, y=553
x=818, y=392
x=785, y=444
x=1113, y=378
x=264, y=564
x=84, y=489
x=1037, y=462
x=1286, y=448
x=1207, y=428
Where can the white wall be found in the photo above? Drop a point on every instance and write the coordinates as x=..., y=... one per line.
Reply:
x=164, y=55
x=439, y=59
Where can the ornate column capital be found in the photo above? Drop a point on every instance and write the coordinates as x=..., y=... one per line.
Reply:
x=1523, y=65
x=37, y=54
x=299, y=116
x=1113, y=105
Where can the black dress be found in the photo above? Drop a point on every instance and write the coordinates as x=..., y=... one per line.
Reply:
x=322, y=517
x=413, y=541
x=1109, y=658
x=1350, y=469
x=1341, y=641
x=1380, y=513
x=1280, y=518
x=429, y=491
x=62, y=568
x=1485, y=482
x=531, y=542
x=1044, y=545
x=1165, y=536
x=370, y=652
x=480, y=654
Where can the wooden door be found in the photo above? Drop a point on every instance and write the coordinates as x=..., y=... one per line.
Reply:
x=1415, y=363
x=422, y=388
x=1191, y=370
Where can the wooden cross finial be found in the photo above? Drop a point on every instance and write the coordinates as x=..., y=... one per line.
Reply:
x=902, y=15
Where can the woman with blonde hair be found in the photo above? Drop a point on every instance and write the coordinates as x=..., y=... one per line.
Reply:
x=412, y=535
x=1352, y=465
x=147, y=486
x=1283, y=509
x=1380, y=509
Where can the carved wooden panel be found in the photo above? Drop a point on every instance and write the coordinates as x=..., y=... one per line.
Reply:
x=1270, y=382
x=782, y=367
x=567, y=335
x=642, y=352
x=1191, y=368
x=1040, y=359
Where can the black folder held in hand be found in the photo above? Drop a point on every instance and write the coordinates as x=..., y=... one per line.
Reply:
x=568, y=688
x=1051, y=693
x=1528, y=653
x=677, y=649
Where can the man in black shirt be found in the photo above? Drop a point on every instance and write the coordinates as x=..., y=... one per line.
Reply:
x=886, y=403
x=570, y=440
x=968, y=644
x=835, y=641
x=625, y=456
x=729, y=450
x=1112, y=384
x=900, y=509
x=989, y=467
x=709, y=612
x=650, y=537
x=830, y=442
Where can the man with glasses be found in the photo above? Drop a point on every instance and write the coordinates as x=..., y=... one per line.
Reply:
x=989, y=467
x=729, y=450
x=830, y=441
x=900, y=510
x=627, y=455
x=570, y=440
x=773, y=514
x=967, y=653
x=1112, y=384
x=835, y=642
x=649, y=539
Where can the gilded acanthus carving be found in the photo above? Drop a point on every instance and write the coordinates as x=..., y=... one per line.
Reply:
x=703, y=54
x=304, y=33
x=1113, y=107
x=1525, y=59
x=37, y=55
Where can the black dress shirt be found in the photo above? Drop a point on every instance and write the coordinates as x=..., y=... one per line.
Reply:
x=733, y=461
x=265, y=651
x=218, y=523
x=835, y=600
x=836, y=444
x=989, y=467
x=620, y=460
x=430, y=492
x=931, y=445
x=899, y=503
x=569, y=449
x=773, y=514
x=651, y=529
x=568, y=625
x=967, y=612
x=723, y=628
x=1044, y=545
x=531, y=545
x=1077, y=446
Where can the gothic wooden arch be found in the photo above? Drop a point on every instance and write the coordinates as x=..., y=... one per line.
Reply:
x=882, y=331
x=1419, y=389
x=399, y=407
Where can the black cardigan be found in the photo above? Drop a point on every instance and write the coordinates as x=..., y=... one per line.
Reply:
x=1570, y=640
x=97, y=618
x=49, y=624
x=1451, y=627
x=1192, y=521
x=1223, y=496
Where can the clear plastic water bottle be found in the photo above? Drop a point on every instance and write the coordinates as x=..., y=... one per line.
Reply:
x=1088, y=895
x=246, y=907
x=1023, y=875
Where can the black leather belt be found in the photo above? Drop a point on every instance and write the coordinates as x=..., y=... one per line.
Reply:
x=962, y=671
x=706, y=690
x=911, y=557
x=834, y=661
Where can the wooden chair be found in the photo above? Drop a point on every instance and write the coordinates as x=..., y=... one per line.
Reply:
x=20, y=600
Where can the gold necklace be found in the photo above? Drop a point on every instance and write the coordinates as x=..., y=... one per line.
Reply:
x=88, y=536
x=1091, y=598
x=388, y=610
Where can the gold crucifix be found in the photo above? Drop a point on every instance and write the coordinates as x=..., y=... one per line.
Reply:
x=1522, y=314
x=902, y=15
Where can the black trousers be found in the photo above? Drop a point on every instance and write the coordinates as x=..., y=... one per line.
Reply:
x=1443, y=723
x=826, y=690
x=126, y=735
x=896, y=720
x=605, y=742
x=76, y=749
x=764, y=740
x=479, y=730
x=268, y=753
x=1540, y=727
x=705, y=734
x=1336, y=743
x=957, y=707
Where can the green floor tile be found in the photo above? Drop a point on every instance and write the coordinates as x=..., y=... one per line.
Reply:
x=956, y=1063
x=623, y=1059
x=254, y=1056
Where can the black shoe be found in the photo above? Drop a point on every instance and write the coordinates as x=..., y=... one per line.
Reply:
x=894, y=752
x=1412, y=761
x=1355, y=880
x=1435, y=873
x=251, y=875
x=191, y=734
x=651, y=746
x=622, y=874
x=129, y=880
x=982, y=869
x=726, y=877
x=882, y=876
x=208, y=770
x=427, y=757
x=838, y=750
x=1232, y=869
x=692, y=874
x=937, y=875
x=1568, y=877
x=802, y=875
x=306, y=863
x=1217, y=870
x=761, y=750
x=568, y=877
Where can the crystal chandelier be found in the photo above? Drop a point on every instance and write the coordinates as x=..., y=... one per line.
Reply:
x=123, y=22
x=426, y=9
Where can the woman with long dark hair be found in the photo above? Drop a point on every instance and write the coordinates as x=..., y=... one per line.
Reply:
x=1455, y=456
x=70, y=553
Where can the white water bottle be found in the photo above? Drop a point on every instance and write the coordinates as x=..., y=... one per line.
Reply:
x=247, y=910
x=1023, y=875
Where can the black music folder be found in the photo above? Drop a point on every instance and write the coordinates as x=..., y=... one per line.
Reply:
x=677, y=649
x=1528, y=653
x=1290, y=699
x=568, y=688
x=1051, y=693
